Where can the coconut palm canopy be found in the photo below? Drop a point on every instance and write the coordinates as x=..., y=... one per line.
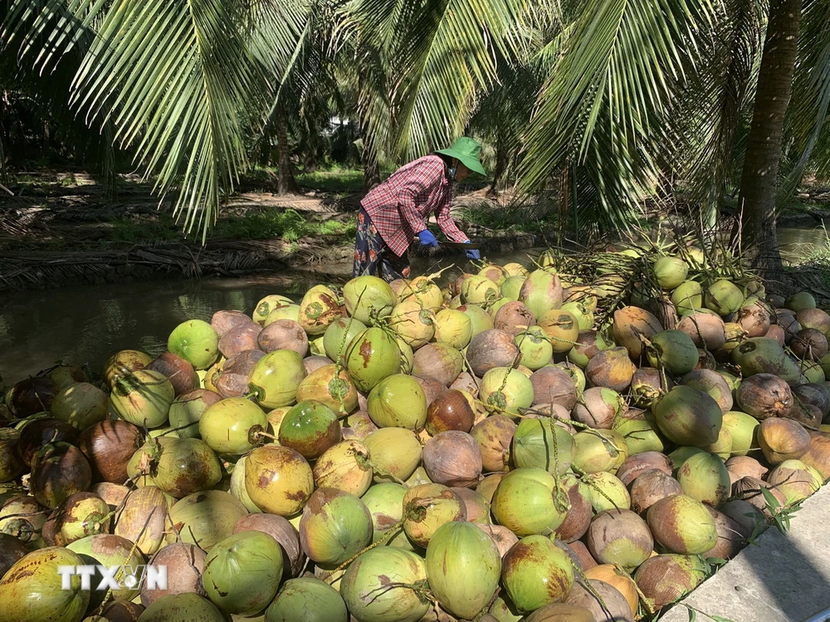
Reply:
x=633, y=98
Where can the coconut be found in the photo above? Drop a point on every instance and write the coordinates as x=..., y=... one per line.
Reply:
x=814, y=318
x=367, y=296
x=453, y=328
x=372, y=356
x=561, y=327
x=794, y=480
x=809, y=344
x=552, y=385
x=619, y=537
x=578, y=519
x=513, y=318
x=119, y=365
x=494, y=436
x=753, y=490
x=453, y=458
x=185, y=563
x=759, y=355
x=535, y=347
x=143, y=398
x=144, y=518
x=687, y=297
x=786, y=320
x=394, y=453
x=541, y=292
x=525, y=504
x=232, y=426
x=704, y=477
x=58, y=471
x=648, y=385
x=535, y=572
x=477, y=289
x=463, y=566
x=682, y=525
x=636, y=465
x=630, y=323
x=412, y=322
x=603, y=601
x=689, y=417
x=663, y=579
x=639, y=430
x=744, y=466
x=584, y=316
x=611, y=368
x=673, y=350
x=730, y=537
x=283, y=335
x=670, y=272
x=777, y=334
x=813, y=395
x=335, y=526
x=712, y=383
x=398, y=401
x=764, y=395
x=598, y=407
x=650, y=487
x=607, y=492
x=491, y=348
x=382, y=585
x=480, y=320
x=754, y=319
x=506, y=390
x=108, y=445
x=81, y=404
x=782, y=439
x=589, y=344
x=426, y=507
x=542, y=444
x=440, y=361
x=743, y=430
x=723, y=297
x=449, y=411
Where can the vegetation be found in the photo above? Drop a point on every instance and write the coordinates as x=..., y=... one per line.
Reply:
x=602, y=106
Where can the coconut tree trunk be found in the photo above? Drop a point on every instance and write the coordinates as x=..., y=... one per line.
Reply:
x=286, y=184
x=763, y=152
x=502, y=158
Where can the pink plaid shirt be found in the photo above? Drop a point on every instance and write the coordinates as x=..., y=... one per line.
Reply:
x=400, y=205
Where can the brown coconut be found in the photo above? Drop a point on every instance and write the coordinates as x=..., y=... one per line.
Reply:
x=616, y=532
x=636, y=465
x=556, y=612
x=739, y=467
x=650, y=487
x=815, y=395
x=283, y=335
x=283, y=532
x=432, y=388
x=611, y=368
x=764, y=395
x=466, y=382
x=513, y=318
x=648, y=384
x=453, y=459
x=552, y=385
x=587, y=344
x=491, y=348
x=449, y=411
x=581, y=552
x=731, y=538
x=313, y=363
x=578, y=519
x=663, y=579
x=108, y=445
x=814, y=318
x=598, y=408
x=239, y=339
x=185, y=564
x=611, y=606
x=754, y=319
x=809, y=344
x=707, y=330
x=224, y=321
x=777, y=334
x=630, y=323
x=782, y=439
x=179, y=371
x=786, y=320
x=494, y=436
x=502, y=537
x=749, y=489
x=818, y=456
x=744, y=515
x=805, y=414
x=439, y=361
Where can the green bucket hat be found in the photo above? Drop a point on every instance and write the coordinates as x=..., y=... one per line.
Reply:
x=467, y=151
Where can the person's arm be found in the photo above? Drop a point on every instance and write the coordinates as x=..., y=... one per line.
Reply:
x=447, y=224
x=424, y=177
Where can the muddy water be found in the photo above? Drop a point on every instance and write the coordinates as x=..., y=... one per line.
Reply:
x=83, y=325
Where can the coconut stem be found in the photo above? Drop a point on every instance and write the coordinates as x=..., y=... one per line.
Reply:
x=596, y=488
x=260, y=433
x=393, y=530
x=643, y=598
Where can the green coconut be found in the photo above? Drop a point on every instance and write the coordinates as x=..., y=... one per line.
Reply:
x=335, y=527
x=143, y=398
x=607, y=492
x=385, y=504
x=286, y=312
x=412, y=323
x=541, y=292
x=372, y=356
x=367, y=296
x=310, y=428
x=687, y=297
x=536, y=572
x=266, y=305
x=759, y=355
x=196, y=342
x=543, y=444
x=743, y=430
x=339, y=334
x=599, y=450
x=426, y=507
x=422, y=289
x=276, y=377
x=394, y=453
x=674, y=351
x=386, y=585
x=670, y=272
x=800, y=301
x=318, y=308
x=463, y=567
x=704, y=477
x=231, y=426
x=31, y=590
x=527, y=501
x=682, y=525
x=242, y=572
x=584, y=316
x=506, y=390
x=278, y=479
x=109, y=550
x=512, y=287
x=205, y=518
x=398, y=401
x=480, y=320
x=723, y=297
x=535, y=348
x=81, y=404
x=478, y=289
x=453, y=327
x=292, y=603
x=640, y=433
x=688, y=417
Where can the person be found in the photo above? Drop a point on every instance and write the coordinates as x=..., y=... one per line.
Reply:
x=395, y=212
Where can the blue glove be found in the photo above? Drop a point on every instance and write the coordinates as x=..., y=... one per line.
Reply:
x=473, y=253
x=427, y=239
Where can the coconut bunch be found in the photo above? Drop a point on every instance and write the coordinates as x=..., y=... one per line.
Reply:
x=501, y=445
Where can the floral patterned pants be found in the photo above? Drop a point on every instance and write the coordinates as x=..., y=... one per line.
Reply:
x=371, y=256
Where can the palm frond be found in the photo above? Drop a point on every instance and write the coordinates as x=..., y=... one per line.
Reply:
x=604, y=104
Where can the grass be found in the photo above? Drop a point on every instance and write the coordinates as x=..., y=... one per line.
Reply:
x=507, y=219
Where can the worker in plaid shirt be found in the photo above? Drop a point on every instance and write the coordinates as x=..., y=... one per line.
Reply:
x=396, y=211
